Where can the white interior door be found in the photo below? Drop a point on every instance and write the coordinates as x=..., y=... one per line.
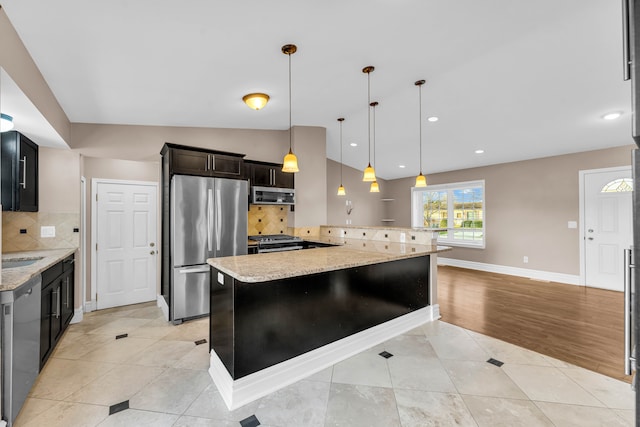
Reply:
x=126, y=238
x=607, y=226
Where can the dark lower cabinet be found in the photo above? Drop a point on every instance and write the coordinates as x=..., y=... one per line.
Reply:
x=57, y=305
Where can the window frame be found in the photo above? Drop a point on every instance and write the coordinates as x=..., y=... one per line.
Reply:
x=417, y=212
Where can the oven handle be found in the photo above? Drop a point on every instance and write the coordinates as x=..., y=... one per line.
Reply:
x=280, y=249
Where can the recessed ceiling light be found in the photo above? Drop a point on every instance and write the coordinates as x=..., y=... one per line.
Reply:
x=479, y=151
x=401, y=166
x=432, y=119
x=353, y=144
x=613, y=115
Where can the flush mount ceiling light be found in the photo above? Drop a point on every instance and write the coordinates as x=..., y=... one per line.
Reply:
x=369, y=172
x=421, y=181
x=432, y=119
x=341, y=190
x=479, y=151
x=353, y=144
x=374, y=188
x=6, y=122
x=401, y=166
x=290, y=163
x=613, y=115
x=256, y=101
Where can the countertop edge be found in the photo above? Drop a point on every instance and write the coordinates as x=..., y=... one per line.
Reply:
x=13, y=278
x=377, y=258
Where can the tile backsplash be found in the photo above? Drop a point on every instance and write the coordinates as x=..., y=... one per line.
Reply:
x=267, y=219
x=13, y=240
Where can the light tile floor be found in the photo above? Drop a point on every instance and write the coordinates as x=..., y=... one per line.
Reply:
x=438, y=376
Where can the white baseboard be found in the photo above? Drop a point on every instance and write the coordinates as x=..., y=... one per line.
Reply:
x=549, y=276
x=78, y=315
x=163, y=306
x=90, y=306
x=254, y=386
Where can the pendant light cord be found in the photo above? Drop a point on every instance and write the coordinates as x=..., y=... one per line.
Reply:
x=374, y=135
x=289, y=102
x=369, y=111
x=420, y=121
x=340, y=121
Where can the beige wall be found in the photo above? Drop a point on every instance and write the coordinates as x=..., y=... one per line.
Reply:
x=528, y=205
x=17, y=62
x=118, y=170
x=59, y=174
x=367, y=207
x=309, y=145
x=143, y=143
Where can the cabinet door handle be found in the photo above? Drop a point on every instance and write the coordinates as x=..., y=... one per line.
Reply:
x=23, y=184
x=213, y=162
x=66, y=304
x=56, y=304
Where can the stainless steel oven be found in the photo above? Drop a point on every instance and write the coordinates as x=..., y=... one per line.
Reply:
x=277, y=242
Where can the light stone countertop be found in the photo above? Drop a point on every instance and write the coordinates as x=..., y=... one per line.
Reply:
x=13, y=278
x=350, y=253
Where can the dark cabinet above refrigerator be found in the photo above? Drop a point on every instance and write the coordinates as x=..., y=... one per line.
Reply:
x=185, y=160
x=19, y=173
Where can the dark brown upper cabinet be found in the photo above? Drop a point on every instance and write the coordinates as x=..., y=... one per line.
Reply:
x=263, y=174
x=202, y=162
x=19, y=172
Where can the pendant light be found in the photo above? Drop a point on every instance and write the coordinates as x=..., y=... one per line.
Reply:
x=369, y=172
x=421, y=180
x=290, y=162
x=341, y=190
x=6, y=122
x=374, y=188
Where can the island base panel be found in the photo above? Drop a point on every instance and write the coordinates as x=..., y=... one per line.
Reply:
x=257, y=325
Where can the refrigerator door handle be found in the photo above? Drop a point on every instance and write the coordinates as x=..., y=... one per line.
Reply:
x=218, y=218
x=629, y=359
x=209, y=219
x=189, y=270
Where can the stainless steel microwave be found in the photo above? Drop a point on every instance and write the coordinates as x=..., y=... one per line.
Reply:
x=273, y=196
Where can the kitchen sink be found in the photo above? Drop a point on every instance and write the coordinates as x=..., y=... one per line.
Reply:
x=19, y=262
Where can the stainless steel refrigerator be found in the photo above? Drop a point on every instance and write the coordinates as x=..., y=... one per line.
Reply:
x=209, y=220
x=631, y=66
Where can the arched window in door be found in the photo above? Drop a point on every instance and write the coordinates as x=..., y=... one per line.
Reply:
x=618, y=186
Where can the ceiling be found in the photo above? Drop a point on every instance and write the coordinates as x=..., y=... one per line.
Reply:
x=518, y=79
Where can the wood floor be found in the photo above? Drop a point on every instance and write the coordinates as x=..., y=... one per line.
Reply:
x=579, y=325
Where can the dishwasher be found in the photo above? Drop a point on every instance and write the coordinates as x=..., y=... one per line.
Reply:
x=20, y=345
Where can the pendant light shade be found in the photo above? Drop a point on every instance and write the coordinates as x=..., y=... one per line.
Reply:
x=374, y=188
x=290, y=163
x=6, y=122
x=421, y=180
x=341, y=190
x=256, y=101
x=369, y=173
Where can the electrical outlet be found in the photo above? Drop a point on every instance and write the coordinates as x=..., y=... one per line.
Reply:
x=525, y=259
x=48, y=231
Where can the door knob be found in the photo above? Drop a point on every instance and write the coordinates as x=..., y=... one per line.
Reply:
x=152, y=252
x=590, y=238
x=589, y=230
x=152, y=244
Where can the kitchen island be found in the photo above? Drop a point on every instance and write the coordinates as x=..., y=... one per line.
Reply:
x=279, y=317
